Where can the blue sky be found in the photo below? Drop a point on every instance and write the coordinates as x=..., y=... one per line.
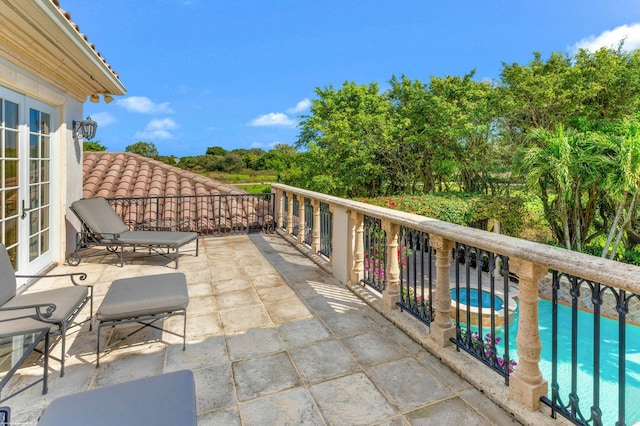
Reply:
x=238, y=74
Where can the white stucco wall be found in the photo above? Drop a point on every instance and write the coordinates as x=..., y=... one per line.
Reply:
x=66, y=153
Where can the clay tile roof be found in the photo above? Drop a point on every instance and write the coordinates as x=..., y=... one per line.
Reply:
x=124, y=175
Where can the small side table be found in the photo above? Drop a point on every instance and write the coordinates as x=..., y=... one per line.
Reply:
x=15, y=348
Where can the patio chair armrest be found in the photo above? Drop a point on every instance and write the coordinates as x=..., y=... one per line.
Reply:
x=42, y=316
x=72, y=276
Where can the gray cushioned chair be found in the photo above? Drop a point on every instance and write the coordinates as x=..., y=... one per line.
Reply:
x=168, y=399
x=101, y=226
x=143, y=300
x=57, y=308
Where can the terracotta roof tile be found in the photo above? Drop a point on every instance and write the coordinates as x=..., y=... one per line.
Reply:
x=127, y=175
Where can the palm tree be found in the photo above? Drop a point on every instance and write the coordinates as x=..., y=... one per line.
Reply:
x=622, y=181
x=564, y=167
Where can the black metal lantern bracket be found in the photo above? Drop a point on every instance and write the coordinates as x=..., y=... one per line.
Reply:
x=84, y=129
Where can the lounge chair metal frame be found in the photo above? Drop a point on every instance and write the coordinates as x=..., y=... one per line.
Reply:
x=5, y=416
x=94, y=234
x=144, y=321
x=31, y=315
x=42, y=336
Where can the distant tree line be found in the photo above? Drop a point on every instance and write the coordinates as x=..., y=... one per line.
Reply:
x=216, y=158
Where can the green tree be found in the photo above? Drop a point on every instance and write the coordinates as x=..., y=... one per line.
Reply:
x=93, y=146
x=343, y=137
x=146, y=149
x=232, y=162
x=216, y=150
x=280, y=159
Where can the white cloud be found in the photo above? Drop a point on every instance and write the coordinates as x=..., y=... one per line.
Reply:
x=158, y=128
x=103, y=118
x=301, y=106
x=265, y=146
x=273, y=119
x=144, y=105
x=611, y=39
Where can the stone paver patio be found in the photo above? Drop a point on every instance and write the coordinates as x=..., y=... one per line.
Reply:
x=272, y=340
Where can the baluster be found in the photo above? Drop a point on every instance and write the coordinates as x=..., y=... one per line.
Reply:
x=526, y=384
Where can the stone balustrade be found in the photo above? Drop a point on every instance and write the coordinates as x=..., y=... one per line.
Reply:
x=530, y=261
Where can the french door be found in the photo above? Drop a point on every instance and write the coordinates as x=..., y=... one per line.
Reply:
x=25, y=180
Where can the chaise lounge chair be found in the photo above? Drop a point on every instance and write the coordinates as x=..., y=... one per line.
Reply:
x=56, y=308
x=101, y=226
x=168, y=399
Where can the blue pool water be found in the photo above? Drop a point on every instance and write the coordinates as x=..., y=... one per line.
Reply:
x=608, y=361
x=473, y=298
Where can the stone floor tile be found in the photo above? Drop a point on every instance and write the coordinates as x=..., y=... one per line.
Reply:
x=276, y=293
x=231, y=300
x=487, y=408
x=302, y=332
x=198, y=354
x=221, y=286
x=452, y=411
x=349, y=323
x=127, y=364
x=374, y=348
x=446, y=376
x=262, y=376
x=287, y=310
x=267, y=280
x=254, y=342
x=214, y=388
x=223, y=417
x=241, y=319
x=405, y=341
x=408, y=384
x=204, y=305
x=292, y=407
x=200, y=289
x=351, y=400
x=396, y=421
x=323, y=361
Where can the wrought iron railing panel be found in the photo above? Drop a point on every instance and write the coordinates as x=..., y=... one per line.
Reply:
x=211, y=214
x=482, y=326
x=285, y=209
x=375, y=253
x=308, y=221
x=326, y=230
x=415, y=260
x=296, y=215
x=579, y=400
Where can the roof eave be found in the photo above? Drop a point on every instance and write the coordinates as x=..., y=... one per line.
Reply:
x=61, y=55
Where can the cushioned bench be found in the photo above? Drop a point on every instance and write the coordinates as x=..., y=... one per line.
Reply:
x=168, y=399
x=144, y=300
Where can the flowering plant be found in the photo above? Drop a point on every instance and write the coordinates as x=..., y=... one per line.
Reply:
x=486, y=348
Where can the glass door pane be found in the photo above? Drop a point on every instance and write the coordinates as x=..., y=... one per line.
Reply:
x=39, y=182
x=10, y=175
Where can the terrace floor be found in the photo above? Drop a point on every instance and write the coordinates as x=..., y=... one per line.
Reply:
x=272, y=339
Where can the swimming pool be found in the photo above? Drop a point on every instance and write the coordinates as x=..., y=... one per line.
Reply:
x=473, y=298
x=608, y=361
